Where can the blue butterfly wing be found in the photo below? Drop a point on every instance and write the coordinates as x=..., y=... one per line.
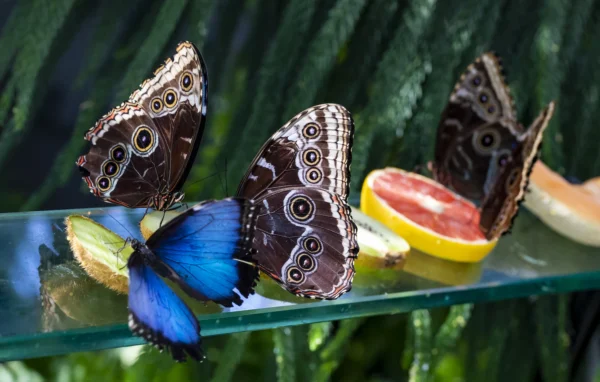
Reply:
x=208, y=249
x=158, y=315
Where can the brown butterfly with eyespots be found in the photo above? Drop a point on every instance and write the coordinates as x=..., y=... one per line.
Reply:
x=143, y=150
x=482, y=152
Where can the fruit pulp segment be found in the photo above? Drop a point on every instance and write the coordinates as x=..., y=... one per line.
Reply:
x=449, y=215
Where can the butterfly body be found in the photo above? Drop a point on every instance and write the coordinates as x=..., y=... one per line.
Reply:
x=482, y=152
x=305, y=238
x=206, y=251
x=143, y=150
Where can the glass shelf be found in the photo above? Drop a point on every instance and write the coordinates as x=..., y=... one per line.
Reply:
x=49, y=306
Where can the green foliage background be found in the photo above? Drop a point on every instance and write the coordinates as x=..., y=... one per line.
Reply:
x=392, y=64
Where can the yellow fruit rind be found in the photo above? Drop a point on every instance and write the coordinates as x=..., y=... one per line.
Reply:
x=419, y=237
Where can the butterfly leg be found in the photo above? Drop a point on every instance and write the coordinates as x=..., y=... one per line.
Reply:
x=125, y=244
x=162, y=219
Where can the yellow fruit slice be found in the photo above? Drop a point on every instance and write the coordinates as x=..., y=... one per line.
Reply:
x=569, y=209
x=101, y=252
x=430, y=217
x=379, y=246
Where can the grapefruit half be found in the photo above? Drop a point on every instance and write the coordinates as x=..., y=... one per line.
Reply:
x=429, y=216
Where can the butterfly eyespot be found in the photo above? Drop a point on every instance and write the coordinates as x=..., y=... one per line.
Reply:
x=476, y=81
x=314, y=175
x=512, y=179
x=103, y=183
x=118, y=154
x=312, y=245
x=306, y=262
x=311, y=157
x=301, y=208
x=110, y=168
x=170, y=98
x=486, y=141
x=143, y=139
x=156, y=105
x=311, y=130
x=483, y=98
x=295, y=275
x=503, y=160
x=491, y=110
x=187, y=81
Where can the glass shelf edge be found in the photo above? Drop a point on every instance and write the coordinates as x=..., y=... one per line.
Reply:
x=90, y=339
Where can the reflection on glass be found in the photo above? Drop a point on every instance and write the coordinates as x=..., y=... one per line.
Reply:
x=49, y=305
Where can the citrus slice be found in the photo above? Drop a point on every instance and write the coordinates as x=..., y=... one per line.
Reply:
x=429, y=216
x=569, y=209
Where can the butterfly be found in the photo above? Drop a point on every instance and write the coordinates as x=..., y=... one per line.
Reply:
x=305, y=238
x=481, y=151
x=143, y=150
x=206, y=251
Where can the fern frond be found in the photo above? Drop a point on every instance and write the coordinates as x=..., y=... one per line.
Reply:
x=217, y=49
x=150, y=50
x=200, y=12
x=552, y=337
x=452, y=32
x=48, y=18
x=514, y=43
x=336, y=349
x=397, y=84
x=363, y=52
x=482, y=40
x=322, y=52
x=450, y=331
x=274, y=74
x=11, y=36
x=63, y=167
x=318, y=334
x=548, y=45
x=581, y=97
x=7, y=99
x=230, y=357
x=421, y=364
x=285, y=356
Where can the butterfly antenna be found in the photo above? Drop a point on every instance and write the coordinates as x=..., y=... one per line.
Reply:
x=220, y=180
x=205, y=178
x=113, y=218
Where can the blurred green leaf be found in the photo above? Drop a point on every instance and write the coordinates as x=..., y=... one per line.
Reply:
x=396, y=87
x=149, y=52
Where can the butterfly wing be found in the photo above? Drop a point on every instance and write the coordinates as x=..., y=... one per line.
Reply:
x=314, y=149
x=208, y=248
x=477, y=130
x=501, y=205
x=158, y=315
x=306, y=241
x=305, y=169
x=145, y=148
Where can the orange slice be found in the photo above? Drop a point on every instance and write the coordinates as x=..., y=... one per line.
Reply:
x=429, y=216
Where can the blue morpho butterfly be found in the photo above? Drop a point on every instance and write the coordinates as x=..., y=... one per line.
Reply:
x=305, y=238
x=143, y=150
x=206, y=250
